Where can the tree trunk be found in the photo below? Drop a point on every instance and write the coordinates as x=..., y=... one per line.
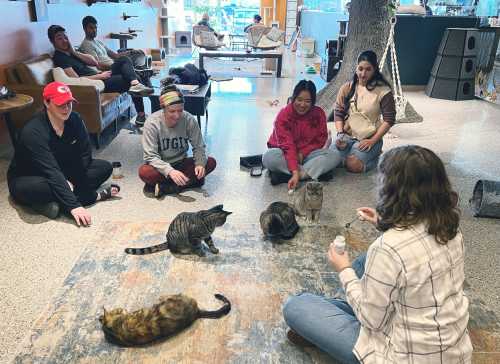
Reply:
x=368, y=28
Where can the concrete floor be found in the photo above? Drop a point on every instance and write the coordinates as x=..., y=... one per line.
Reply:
x=37, y=254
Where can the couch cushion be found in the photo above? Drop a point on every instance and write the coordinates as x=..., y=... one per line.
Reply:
x=37, y=70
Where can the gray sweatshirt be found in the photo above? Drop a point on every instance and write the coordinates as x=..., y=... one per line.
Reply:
x=164, y=146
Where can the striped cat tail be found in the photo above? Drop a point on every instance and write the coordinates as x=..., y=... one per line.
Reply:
x=224, y=310
x=148, y=250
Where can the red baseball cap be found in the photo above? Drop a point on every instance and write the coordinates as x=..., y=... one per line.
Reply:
x=58, y=93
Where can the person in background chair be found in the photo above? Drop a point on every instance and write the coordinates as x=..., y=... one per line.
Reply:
x=205, y=18
x=53, y=168
x=256, y=22
x=121, y=78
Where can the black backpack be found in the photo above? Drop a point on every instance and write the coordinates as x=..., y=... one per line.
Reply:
x=190, y=75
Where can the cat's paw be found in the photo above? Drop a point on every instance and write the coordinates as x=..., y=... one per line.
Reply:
x=214, y=250
x=201, y=253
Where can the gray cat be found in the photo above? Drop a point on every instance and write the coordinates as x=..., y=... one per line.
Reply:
x=186, y=232
x=308, y=201
x=278, y=221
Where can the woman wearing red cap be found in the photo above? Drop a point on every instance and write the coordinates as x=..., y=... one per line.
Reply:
x=53, y=167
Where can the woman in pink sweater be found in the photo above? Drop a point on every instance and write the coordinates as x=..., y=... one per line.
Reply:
x=298, y=145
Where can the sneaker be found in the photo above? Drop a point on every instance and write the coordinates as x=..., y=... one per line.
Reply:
x=140, y=119
x=297, y=339
x=325, y=177
x=162, y=189
x=140, y=90
x=278, y=177
x=50, y=210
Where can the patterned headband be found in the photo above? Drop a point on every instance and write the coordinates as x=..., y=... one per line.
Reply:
x=170, y=98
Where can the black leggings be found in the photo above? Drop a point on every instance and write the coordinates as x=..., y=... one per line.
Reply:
x=35, y=190
x=122, y=73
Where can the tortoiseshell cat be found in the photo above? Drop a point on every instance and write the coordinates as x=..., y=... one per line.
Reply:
x=308, y=200
x=278, y=221
x=186, y=232
x=164, y=319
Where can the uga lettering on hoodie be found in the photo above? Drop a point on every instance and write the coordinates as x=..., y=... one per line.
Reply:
x=163, y=146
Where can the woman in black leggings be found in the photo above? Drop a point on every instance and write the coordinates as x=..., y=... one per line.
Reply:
x=53, y=167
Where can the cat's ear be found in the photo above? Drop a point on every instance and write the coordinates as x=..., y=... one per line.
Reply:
x=227, y=213
x=102, y=319
x=218, y=208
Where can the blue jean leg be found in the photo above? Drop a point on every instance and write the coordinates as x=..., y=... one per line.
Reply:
x=328, y=323
x=323, y=323
x=369, y=158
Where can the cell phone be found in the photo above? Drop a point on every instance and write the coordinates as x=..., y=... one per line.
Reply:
x=256, y=171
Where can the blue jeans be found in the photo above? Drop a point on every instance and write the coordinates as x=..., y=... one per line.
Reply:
x=328, y=323
x=368, y=157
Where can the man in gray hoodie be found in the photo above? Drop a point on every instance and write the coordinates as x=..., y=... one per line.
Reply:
x=166, y=137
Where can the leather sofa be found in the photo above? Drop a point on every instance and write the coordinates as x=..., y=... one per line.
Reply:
x=97, y=109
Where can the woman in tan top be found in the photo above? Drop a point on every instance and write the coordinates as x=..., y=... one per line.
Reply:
x=358, y=110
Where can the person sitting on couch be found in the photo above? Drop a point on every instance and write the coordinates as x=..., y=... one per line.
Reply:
x=165, y=141
x=120, y=78
x=53, y=168
x=106, y=59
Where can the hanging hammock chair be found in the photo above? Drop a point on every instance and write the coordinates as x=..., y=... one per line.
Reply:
x=405, y=113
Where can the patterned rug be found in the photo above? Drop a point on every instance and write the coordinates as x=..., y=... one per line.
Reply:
x=255, y=275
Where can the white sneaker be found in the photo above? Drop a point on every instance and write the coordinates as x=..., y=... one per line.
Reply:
x=141, y=90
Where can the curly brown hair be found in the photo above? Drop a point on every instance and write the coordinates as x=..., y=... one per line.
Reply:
x=413, y=188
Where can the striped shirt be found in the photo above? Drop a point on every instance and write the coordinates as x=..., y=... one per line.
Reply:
x=410, y=300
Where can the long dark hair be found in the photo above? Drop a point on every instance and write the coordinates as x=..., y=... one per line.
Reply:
x=413, y=188
x=376, y=80
x=305, y=85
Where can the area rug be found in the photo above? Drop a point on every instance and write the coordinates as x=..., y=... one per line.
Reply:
x=255, y=275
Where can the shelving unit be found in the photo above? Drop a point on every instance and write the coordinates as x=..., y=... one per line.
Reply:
x=165, y=37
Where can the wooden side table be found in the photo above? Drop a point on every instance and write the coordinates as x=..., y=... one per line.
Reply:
x=15, y=103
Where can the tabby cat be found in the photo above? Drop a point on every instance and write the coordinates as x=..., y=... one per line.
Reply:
x=186, y=232
x=308, y=200
x=278, y=221
x=166, y=318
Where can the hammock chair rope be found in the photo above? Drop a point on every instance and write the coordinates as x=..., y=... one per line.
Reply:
x=399, y=99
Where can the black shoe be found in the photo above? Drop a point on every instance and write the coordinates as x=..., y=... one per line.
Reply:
x=162, y=189
x=325, y=177
x=278, y=177
x=50, y=210
x=140, y=120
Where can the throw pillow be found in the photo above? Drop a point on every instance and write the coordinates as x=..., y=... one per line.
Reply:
x=274, y=34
